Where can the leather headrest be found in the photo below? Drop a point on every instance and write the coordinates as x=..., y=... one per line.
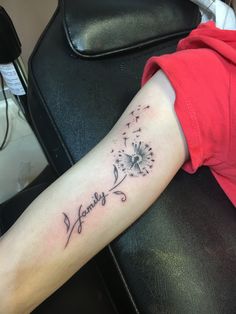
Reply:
x=101, y=27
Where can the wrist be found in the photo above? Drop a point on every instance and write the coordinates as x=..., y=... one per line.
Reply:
x=9, y=284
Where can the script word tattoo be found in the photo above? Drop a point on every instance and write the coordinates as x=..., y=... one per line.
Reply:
x=134, y=159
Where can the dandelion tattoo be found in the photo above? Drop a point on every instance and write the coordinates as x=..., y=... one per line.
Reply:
x=135, y=159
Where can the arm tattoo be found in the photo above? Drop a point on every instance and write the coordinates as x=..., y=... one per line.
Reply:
x=133, y=160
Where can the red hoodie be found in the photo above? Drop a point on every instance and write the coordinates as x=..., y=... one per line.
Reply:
x=203, y=74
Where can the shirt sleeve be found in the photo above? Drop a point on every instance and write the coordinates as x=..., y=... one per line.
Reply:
x=201, y=84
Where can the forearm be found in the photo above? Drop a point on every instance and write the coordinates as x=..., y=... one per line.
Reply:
x=94, y=201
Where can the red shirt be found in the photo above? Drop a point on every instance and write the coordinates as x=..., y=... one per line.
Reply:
x=203, y=74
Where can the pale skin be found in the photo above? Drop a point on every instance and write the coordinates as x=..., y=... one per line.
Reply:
x=44, y=249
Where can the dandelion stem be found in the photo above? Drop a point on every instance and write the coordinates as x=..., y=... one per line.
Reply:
x=118, y=184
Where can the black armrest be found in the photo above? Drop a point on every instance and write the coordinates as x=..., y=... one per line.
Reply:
x=98, y=28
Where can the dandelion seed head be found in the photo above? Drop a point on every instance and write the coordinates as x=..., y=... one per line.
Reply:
x=135, y=160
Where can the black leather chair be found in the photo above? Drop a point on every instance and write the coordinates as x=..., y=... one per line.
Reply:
x=179, y=258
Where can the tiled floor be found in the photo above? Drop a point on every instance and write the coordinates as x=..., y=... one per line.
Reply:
x=22, y=159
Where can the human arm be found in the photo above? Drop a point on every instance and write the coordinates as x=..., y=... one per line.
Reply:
x=94, y=201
